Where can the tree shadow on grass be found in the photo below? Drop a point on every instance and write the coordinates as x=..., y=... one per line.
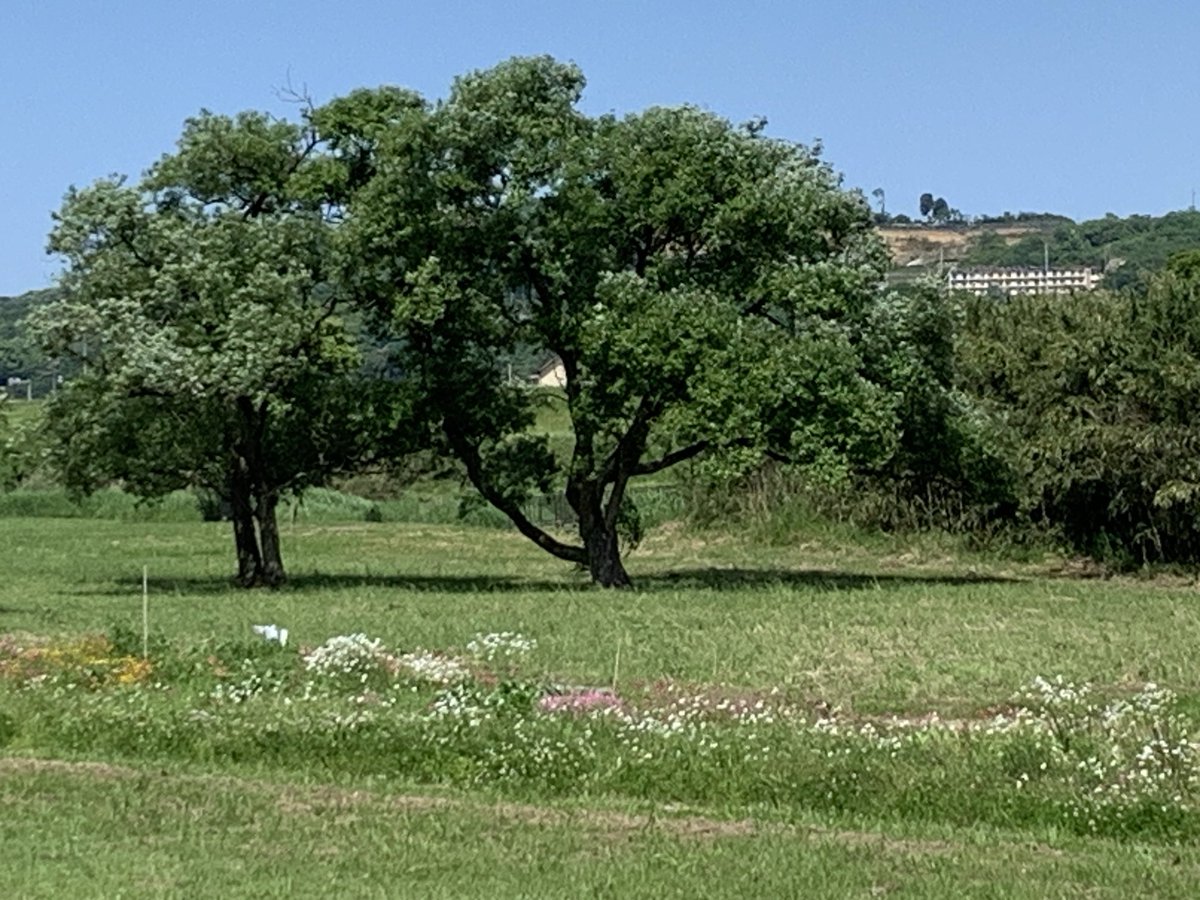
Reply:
x=700, y=579
x=811, y=579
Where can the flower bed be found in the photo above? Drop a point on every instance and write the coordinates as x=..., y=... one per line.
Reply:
x=1058, y=752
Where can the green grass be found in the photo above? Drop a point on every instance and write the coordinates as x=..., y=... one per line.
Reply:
x=834, y=624
x=100, y=831
x=432, y=502
x=18, y=412
x=826, y=622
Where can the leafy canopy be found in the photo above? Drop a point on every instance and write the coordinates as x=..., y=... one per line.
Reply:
x=702, y=284
x=200, y=306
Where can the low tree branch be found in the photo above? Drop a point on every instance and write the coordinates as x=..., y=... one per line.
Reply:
x=669, y=459
x=469, y=455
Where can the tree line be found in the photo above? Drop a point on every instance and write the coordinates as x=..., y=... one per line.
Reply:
x=276, y=303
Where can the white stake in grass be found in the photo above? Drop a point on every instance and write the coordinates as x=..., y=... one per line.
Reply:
x=616, y=665
x=145, y=612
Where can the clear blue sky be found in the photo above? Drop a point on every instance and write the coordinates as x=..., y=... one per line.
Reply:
x=1071, y=106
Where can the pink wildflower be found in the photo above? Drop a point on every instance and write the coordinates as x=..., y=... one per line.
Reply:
x=580, y=701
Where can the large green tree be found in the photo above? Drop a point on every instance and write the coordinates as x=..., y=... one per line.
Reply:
x=199, y=305
x=703, y=285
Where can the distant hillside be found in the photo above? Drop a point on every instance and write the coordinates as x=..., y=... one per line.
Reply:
x=19, y=358
x=1125, y=248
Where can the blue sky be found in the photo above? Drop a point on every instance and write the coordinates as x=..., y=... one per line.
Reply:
x=1071, y=106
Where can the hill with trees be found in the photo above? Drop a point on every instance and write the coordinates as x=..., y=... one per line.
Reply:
x=1126, y=248
x=20, y=357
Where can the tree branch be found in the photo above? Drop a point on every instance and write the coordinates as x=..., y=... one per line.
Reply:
x=759, y=308
x=258, y=204
x=622, y=461
x=669, y=459
x=625, y=455
x=469, y=455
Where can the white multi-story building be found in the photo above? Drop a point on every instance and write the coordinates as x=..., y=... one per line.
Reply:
x=1023, y=279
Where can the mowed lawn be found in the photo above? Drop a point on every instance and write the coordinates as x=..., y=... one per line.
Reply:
x=904, y=633
x=87, y=830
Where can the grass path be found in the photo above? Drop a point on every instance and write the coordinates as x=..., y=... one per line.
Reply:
x=92, y=830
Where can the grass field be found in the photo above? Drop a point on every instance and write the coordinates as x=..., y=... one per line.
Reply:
x=838, y=624
x=21, y=412
x=104, y=831
x=876, y=630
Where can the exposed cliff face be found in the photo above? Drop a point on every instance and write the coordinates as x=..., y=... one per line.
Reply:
x=926, y=244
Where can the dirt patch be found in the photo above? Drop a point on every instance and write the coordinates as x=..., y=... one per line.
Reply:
x=29, y=765
x=325, y=800
x=615, y=823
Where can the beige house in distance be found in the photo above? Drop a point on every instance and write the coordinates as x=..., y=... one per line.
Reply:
x=552, y=373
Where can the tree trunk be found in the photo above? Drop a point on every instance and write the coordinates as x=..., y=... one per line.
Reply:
x=603, y=552
x=268, y=537
x=255, y=528
x=604, y=556
x=245, y=539
x=249, y=561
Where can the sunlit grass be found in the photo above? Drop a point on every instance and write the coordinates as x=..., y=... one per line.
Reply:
x=878, y=629
x=100, y=831
x=830, y=624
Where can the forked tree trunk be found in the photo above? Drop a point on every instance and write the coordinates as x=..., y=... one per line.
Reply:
x=255, y=533
x=600, y=550
x=599, y=537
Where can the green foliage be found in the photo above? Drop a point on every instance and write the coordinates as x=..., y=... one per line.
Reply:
x=105, y=503
x=933, y=210
x=947, y=466
x=948, y=457
x=21, y=456
x=199, y=305
x=700, y=282
x=20, y=357
x=1098, y=392
x=1025, y=217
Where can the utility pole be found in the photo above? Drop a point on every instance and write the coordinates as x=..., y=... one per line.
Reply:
x=1045, y=266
